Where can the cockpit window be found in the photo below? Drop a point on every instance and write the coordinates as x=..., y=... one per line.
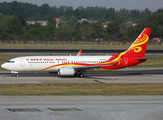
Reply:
x=11, y=61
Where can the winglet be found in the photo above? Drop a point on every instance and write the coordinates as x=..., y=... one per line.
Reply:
x=79, y=53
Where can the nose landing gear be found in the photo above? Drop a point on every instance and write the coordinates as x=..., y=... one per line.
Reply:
x=16, y=73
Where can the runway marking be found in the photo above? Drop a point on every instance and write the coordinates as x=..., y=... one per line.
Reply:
x=64, y=109
x=23, y=110
x=57, y=114
x=98, y=81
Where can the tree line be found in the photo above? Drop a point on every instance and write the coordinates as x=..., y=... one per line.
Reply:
x=14, y=27
x=35, y=12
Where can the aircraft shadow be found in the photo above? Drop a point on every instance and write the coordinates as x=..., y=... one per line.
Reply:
x=91, y=74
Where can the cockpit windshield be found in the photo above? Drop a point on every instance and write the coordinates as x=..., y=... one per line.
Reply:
x=11, y=61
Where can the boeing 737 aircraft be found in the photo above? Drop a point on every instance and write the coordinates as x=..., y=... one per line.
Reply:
x=76, y=65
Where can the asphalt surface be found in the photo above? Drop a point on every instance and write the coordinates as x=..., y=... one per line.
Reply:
x=69, y=51
x=84, y=107
x=81, y=107
x=127, y=75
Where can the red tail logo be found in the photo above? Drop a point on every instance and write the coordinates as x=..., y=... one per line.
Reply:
x=138, y=48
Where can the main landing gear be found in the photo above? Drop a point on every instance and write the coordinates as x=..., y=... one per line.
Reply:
x=79, y=74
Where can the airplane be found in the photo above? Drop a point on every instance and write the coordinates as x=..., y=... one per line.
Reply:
x=76, y=65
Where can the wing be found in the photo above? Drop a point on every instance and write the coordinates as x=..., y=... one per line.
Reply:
x=92, y=67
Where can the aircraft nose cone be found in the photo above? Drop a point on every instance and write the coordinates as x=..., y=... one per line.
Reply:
x=4, y=66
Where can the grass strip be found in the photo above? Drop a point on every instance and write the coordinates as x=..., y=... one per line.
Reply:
x=82, y=89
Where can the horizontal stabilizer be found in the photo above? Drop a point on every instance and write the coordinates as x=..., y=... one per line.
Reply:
x=142, y=58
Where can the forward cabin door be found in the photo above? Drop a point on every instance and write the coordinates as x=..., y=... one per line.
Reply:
x=22, y=65
x=22, y=62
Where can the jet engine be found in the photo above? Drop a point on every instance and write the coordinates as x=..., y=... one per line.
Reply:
x=66, y=71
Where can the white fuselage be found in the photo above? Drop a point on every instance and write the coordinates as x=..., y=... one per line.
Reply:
x=41, y=63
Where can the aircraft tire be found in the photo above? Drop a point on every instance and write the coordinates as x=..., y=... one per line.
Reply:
x=16, y=75
x=81, y=75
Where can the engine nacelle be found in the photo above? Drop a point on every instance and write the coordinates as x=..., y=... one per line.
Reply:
x=66, y=71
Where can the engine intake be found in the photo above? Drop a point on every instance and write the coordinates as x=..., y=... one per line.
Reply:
x=66, y=71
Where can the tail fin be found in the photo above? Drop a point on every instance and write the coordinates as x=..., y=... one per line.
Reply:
x=138, y=48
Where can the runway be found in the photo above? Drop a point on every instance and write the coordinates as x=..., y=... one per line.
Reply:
x=127, y=75
x=81, y=107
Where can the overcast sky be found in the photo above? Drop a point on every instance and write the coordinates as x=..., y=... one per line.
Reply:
x=117, y=4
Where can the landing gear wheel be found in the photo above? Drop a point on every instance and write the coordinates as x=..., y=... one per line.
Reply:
x=16, y=75
x=81, y=75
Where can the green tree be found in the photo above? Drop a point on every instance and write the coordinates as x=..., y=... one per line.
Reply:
x=77, y=31
x=51, y=19
x=35, y=32
x=64, y=32
x=37, y=16
x=14, y=7
x=159, y=31
x=113, y=28
x=22, y=20
x=45, y=10
x=15, y=27
x=32, y=11
x=50, y=30
x=72, y=20
x=87, y=30
x=4, y=29
x=154, y=21
x=62, y=18
x=98, y=30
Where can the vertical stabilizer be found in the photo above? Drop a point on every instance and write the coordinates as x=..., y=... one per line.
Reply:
x=138, y=48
